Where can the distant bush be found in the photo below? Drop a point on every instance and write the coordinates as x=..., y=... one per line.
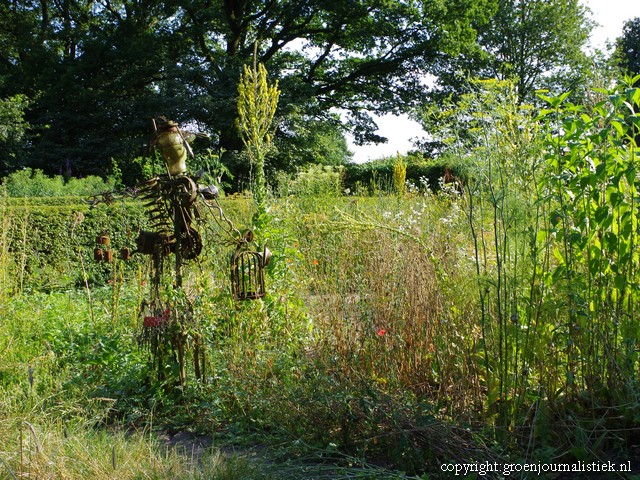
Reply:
x=34, y=183
x=314, y=181
x=378, y=176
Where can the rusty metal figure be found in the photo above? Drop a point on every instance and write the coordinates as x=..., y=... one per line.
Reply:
x=173, y=202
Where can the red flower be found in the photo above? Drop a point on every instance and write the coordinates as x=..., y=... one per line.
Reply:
x=382, y=332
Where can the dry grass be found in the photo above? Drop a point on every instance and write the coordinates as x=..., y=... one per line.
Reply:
x=54, y=451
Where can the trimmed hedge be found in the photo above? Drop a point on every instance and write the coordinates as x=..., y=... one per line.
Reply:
x=32, y=202
x=380, y=173
x=49, y=242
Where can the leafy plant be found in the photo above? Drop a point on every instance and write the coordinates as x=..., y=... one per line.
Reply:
x=317, y=181
x=257, y=103
x=399, y=175
x=591, y=187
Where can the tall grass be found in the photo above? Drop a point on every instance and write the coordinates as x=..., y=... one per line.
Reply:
x=6, y=283
x=503, y=211
x=44, y=450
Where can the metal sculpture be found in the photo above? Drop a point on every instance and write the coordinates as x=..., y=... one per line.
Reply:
x=173, y=202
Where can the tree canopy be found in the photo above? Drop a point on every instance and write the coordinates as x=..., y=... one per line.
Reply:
x=535, y=44
x=96, y=71
x=627, y=53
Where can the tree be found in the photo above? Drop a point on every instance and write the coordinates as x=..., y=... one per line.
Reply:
x=12, y=132
x=539, y=43
x=99, y=70
x=93, y=73
x=627, y=52
x=365, y=55
x=535, y=44
x=301, y=140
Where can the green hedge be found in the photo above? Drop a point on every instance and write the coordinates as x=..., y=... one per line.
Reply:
x=378, y=175
x=48, y=243
x=32, y=202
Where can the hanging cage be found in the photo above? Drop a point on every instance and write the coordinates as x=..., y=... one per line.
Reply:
x=247, y=272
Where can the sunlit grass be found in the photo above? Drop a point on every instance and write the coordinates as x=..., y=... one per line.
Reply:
x=58, y=451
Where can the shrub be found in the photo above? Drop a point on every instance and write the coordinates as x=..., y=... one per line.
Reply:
x=34, y=183
x=424, y=174
x=317, y=181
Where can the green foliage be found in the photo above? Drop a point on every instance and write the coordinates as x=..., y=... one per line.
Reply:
x=52, y=241
x=504, y=301
x=627, y=53
x=64, y=383
x=126, y=172
x=550, y=205
x=314, y=181
x=34, y=183
x=399, y=175
x=13, y=131
x=421, y=175
x=591, y=188
x=536, y=44
x=95, y=76
x=505, y=157
x=301, y=141
x=210, y=163
x=257, y=103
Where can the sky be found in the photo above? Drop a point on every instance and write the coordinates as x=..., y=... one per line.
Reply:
x=610, y=14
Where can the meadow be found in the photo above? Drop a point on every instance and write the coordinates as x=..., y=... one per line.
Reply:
x=491, y=319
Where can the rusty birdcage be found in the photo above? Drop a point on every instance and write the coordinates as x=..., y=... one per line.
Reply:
x=247, y=270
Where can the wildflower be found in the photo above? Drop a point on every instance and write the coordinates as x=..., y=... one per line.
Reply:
x=315, y=262
x=381, y=332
